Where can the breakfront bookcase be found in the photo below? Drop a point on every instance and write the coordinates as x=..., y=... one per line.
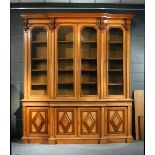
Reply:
x=77, y=78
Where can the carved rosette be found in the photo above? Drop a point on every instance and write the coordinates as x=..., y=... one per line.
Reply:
x=101, y=23
x=52, y=25
x=127, y=25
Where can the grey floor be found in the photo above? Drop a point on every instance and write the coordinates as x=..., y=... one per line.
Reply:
x=136, y=148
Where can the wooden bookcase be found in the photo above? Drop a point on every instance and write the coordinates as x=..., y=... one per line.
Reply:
x=77, y=78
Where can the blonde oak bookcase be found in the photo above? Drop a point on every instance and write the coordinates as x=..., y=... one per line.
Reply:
x=77, y=78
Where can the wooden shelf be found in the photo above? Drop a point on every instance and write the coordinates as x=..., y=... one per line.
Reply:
x=39, y=70
x=115, y=70
x=65, y=70
x=65, y=41
x=65, y=58
x=115, y=84
x=89, y=70
x=88, y=58
x=38, y=84
x=88, y=42
x=65, y=83
x=115, y=42
x=39, y=42
x=115, y=58
x=39, y=59
x=89, y=83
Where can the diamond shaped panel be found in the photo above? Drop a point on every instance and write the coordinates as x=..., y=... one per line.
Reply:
x=89, y=119
x=89, y=122
x=38, y=121
x=65, y=121
x=116, y=121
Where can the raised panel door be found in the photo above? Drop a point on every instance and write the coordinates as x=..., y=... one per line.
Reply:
x=116, y=119
x=89, y=121
x=38, y=121
x=65, y=121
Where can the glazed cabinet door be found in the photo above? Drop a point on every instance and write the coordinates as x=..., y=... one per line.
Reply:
x=89, y=72
x=116, y=62
x=38, y=61
x=65, y=61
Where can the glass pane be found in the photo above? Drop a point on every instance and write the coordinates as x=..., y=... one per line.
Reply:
x=39, y=62
x=88, y=61
x=115, y=62
x=65, y=62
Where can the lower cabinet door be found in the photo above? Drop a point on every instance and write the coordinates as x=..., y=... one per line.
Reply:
x=88, y=121
x=38, y=121
x=116, y=121
x=66, y=122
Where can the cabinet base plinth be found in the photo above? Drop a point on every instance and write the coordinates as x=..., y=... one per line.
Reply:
x=130, y=140
x=34, y=140
x=116, y=140
x=104, y=140
x=38, y=141
x=51, y=141
x=77, y=141
x=24, y=140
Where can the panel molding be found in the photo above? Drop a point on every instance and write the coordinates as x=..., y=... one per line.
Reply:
x=65, y=121
x=89, y=121
x=38, y=119
x=116, y=120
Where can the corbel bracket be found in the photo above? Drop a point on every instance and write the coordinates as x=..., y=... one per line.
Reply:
x=26, y=25
x=101, y=23
x=25, y=21
x=52, y=25
x=127, y=24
